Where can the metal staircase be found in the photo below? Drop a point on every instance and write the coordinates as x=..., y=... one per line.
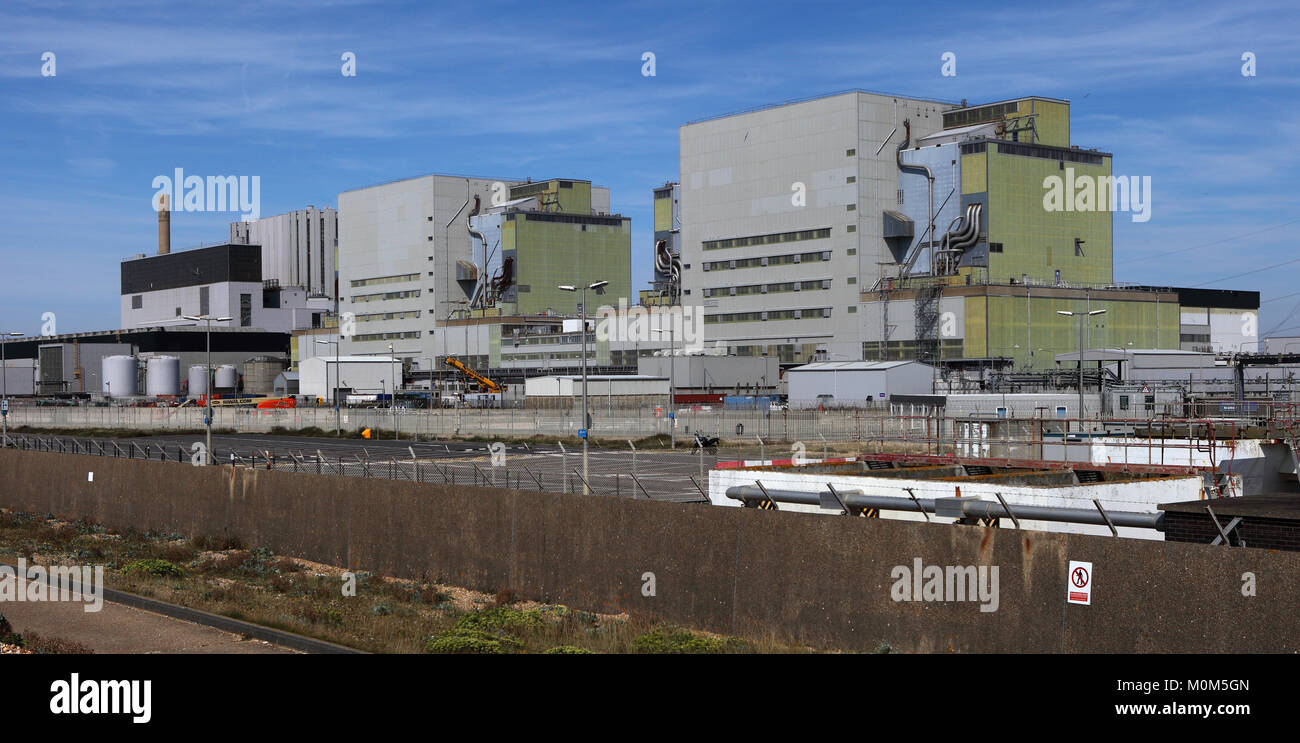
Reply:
x=927, y=323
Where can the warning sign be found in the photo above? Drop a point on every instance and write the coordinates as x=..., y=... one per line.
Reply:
x=1078, y=584
x=1146, y=390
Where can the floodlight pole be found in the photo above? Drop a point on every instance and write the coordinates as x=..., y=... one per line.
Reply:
x=207, y=417
x=586, y=421
x=1082, y=317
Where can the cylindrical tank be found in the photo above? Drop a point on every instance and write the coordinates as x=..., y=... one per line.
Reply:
x=119, y=375
x=227, y=378
x=260, y=373
x=163, y=376
x=198, y=377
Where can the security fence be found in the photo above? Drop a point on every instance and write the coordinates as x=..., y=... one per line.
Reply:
x=680, y=477
x=610, y=423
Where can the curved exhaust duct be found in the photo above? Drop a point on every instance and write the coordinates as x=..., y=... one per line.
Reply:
x=482, y=273
x=667, y=263
x=966, y=235
x=919, y=170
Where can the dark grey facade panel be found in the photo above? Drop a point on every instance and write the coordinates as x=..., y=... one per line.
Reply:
x=193, y=268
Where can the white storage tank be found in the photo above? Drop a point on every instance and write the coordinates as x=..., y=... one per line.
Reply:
x=198, y=377
x=227, y=378
x=119, y=375
x=163, y=376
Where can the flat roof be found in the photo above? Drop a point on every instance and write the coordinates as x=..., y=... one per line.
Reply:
x=852, y=365
x=507, y=181
x=353, y=359
x=605, y=377
x=1012, y=100
x=809, y=99
x=1234, y=299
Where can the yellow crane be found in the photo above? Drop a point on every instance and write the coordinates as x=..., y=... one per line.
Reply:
x=484, y=384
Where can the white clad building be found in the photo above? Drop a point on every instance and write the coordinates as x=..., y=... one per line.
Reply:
x=298, y=248
x=856, y=383
x=361, y=375
x=781, y=218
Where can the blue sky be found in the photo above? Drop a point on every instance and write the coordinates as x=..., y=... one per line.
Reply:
x=555, y=89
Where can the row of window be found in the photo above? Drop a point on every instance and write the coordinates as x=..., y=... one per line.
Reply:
x=545, y=340
x=386, y=336
x=772, y=260
x=378, y=316
x=1030, y=150
x=982, y=115
x=726, y=317
x=776, y=237
x=1049, y=153
x=385, y=295
x=788, y=286
x=559, y=355
x=385, y=279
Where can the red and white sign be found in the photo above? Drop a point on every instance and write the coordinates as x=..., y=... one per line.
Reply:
x=1078, y=584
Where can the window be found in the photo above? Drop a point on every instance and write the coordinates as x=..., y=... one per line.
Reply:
x=203, y=300
x=851, y=152
x=900, y=197
x=1049, y=153
x=387, y=279
x=853, y=279
x=1002, y=412
x=385, y=295
x=178, y=311
x=995, y=247
x=137, y=302
x=1123, y=402
x=1060, y=411
x=245, y=310
x=853, y=251
x=776, y=237
x=851, y=207
x=851, y=228
x=851, y=179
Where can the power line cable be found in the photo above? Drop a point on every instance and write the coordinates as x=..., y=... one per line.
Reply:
x=1209, y=244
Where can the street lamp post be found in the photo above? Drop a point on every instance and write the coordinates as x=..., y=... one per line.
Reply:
x=207, y=415
x=392, y=402
x=586, y=420
x=4, y=384
x=430, y=360
x=334, y=392
x=672, y=382
x=1082, y=316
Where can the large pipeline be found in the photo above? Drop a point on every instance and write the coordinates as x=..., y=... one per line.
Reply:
x=970, y=507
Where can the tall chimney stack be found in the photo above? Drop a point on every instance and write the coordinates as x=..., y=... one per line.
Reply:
x=164, y=226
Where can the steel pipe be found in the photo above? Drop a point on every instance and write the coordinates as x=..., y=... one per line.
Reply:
x=970, y=507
